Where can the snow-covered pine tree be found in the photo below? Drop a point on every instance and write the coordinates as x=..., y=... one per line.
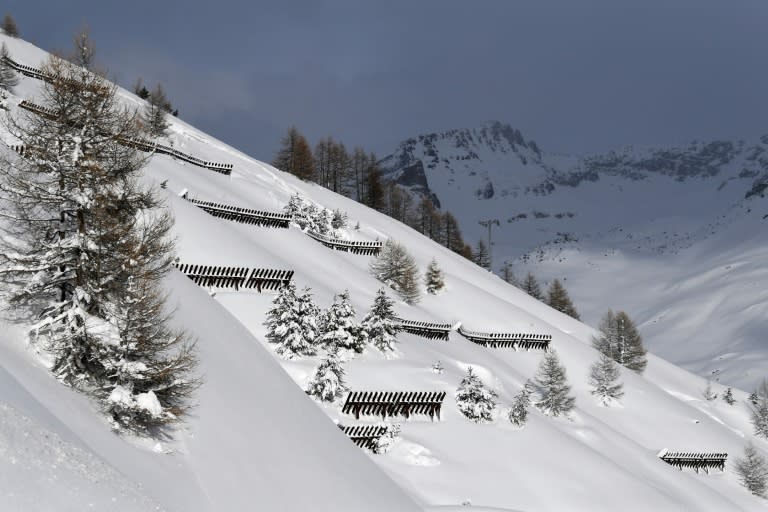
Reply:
x=433, y=278
x=339, y=328
x=708, y=394
x=380, y=324
x=518, y=414
x=155, y=115
x=620, y=339
x=395, y=267
x=557, y=298
x=553, y=387
x=531, y=286
x=474, y=400
x=8, y=78
x=292, y=323
x=9, y=26
x=760, y=411
x=339, y=219
x=385, y=442
x=604, y=377
x=753, y=398
x=89, y=249
x=728, y=397
x=481, y=255
x=327, y=384
x=753, y=471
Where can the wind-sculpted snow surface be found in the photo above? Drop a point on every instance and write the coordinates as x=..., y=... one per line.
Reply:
x=256, y=440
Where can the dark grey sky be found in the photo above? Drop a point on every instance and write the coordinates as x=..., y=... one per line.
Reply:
x=576, y=76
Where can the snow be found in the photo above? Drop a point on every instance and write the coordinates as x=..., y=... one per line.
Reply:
x=255, y=440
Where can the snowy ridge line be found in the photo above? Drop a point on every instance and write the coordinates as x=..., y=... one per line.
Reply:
x=508, y=340
x=236, y=277
x=430, y=330
x=141, y=144
x=365, y=248
x=394, y=403
x=695, y=460
x=244, y=215
x=364, y=436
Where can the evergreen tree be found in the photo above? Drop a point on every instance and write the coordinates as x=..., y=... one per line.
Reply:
x=481, y=256
x=760, y=411
x=434, y=278
x=620, y=340
x=8, y=78
x=387, y=439
x=518, y=414
x=88, y=250
x=295, y=155
x=507, y=274
x=374, y=188
x=140, y=90
x=327, y=384
x=380, y=324
x=395, y=267
x=9, y=26
x=338, y=327
x=531, y=286
x=709, y=395
x=604, y=377
x=292, y=323
x=753, y=471
x=558, y=299
x=553, y=387
x=754, y=398
x=728, y=397
x=155, y=115
x=474, y=399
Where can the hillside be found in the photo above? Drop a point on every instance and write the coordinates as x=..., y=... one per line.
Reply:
x=256, y=440
x=676, y=226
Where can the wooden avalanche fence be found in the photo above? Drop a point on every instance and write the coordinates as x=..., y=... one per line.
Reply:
x=27, y=70
x=507, y=340
x=236, y=277
x=364, y=436
x=432, y=331
x=243, y=215
x=394, y=403
x=695, y=460
x=365, y=248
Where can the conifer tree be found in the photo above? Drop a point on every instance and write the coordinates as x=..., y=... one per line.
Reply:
x=155, y=115
x=8, y=78
x=760, y=411
x=620, y=340
x=339, y=328
x=518, y=414
x=709, y=395
x=434, y=278
x=395, y=267
x=380, y=324
x=728, y=397
x=753, y=398
x=295, y=155
x=481, y=256
x=292, y=323
x=474, y=399
x=553, y=387
x=531, y=286
x=327, y=384
x=753, y=471
x=558, y=299
x=507, y=274
x=9, y=26
x=88, y=250
x=604, y=377
x=374, y=188
x=387, y=439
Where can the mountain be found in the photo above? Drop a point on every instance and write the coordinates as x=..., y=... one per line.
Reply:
x=257, y=441
x=653, y=219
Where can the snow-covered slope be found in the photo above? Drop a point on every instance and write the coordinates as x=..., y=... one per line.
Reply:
x=256, y=441
x=680, y=228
